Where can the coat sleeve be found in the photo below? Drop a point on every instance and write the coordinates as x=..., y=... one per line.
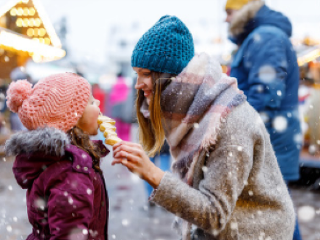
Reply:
x=224, y=176
x=70, y=207
x=266, y=63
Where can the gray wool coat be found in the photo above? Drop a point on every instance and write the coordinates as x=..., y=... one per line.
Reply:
x=238, y=191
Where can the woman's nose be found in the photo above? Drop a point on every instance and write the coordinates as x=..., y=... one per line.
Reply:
x=139, y=84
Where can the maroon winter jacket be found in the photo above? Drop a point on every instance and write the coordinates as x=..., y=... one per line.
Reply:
x=66, y=198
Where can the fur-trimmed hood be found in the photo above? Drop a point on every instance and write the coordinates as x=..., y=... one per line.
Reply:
x=37, y=150
x=47, y=140
x=253, y=15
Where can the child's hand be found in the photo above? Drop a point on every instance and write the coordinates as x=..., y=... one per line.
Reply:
x=136, y=160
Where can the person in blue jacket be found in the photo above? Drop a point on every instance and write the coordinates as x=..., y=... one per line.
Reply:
x=266, y=67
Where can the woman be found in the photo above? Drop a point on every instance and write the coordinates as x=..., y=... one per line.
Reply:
x=227, y=184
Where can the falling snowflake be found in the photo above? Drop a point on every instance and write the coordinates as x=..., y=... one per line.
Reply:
x=250, y=193
x=234, y=225
x=313, y=149
x=264, y=116
x=10, y=187
x=280, y=123
x=135, y=177
x=204, y=169
x=306, y=213
x=298, y=138
x=240, y=148
x=267, y=73
x=70, y=200
x=9, y=228
x=89, y=191
x=279, y=93
x=113, y=236
x=257, y=37
x=260, y=88
x=40, y=203
x=85, y=232
x=125, y=222
x=196, y=125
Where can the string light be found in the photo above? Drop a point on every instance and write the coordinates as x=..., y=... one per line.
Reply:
x=19, y=11
x=13, y=12
x=26, y=22
x=31, y=22
x=19, y=22
x=32, y=11
x=36, y=32
x=30, y=32
x=47, y=41
x=26, y=11
x=37, y=22
x=42, y=32
x=41, y=52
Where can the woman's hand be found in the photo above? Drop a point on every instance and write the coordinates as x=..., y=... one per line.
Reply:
x=136, y=160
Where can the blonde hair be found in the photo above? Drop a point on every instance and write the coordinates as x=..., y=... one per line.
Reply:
x=151, y=132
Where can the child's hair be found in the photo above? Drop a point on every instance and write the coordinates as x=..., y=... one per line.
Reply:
x=82, y=141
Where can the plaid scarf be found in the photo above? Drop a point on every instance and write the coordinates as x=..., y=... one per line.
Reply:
x=194, y=104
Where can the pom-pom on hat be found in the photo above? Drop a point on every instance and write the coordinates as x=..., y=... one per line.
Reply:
x=56, y=101
x=166, y=47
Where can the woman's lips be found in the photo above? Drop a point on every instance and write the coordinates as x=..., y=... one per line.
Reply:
x=147, y=93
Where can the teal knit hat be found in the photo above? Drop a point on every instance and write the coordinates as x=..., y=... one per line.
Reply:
x=166, y=47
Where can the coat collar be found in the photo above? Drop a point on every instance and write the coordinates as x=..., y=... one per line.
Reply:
x=48, y=140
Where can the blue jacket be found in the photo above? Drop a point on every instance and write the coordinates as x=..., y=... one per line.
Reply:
x=267, y=71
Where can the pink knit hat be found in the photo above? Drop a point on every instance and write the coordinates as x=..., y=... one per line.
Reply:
x=56, y=101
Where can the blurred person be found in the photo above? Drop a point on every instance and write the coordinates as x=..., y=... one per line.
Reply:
x=100, y=95
x=266, y=68
x=118, y=96
x=56, y=161
x=226, y=182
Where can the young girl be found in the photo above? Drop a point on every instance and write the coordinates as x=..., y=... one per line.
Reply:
x=228, y=184
x=56, y=161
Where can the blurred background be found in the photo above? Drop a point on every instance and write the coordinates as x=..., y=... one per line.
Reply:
x=95, y=38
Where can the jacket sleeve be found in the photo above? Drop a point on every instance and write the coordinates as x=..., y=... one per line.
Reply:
x=266, y=63
x=70, y=207
x=225, y=174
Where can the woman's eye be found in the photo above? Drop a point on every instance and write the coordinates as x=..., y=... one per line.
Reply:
x=147, y=74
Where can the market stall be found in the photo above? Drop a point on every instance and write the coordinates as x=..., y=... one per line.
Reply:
x=26, y=33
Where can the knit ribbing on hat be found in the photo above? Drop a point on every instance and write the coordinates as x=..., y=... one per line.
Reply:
x=166, y=47
x=236, y=4
x=56, y=101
